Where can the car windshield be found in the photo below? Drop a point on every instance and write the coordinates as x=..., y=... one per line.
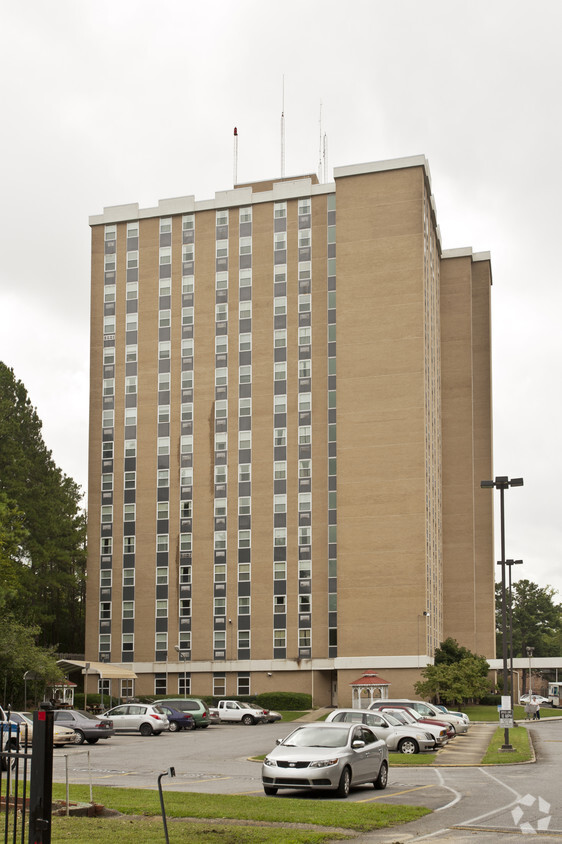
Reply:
x=392, y=719
x=403, y=717
x=317, y=737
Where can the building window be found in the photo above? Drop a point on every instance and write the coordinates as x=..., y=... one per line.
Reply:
x=187, y=380
x=304, y=206
x=128, y=544
x=163, y=477
x=162, y=542
x=221, y=312
x=305, y=368
x=107, y=513
x=130, y=416
x=305, y=301
x=187, y=284
x=105, y=610
x=221, y=441
x=280, y=570
x=130, y=384
x=245, y=310
x=279, y=638
x=109, y=356
x=305, y=535
x=243, y=685
x=163, y=413
x=131, y=353
x=304, y=238
x=280, y=338
x=160, y=680
x=187, y=316
x=305, y=502
x=188, y=252
x=219, y=575
x=243, y=571
x=107, y=450
x=165, y=255
x=245, y=245
x=279, y=436
x=161, y=642
x=222, y=249
x=184, y=680
x=164, y=318
x=163, y=445
x=185, y=575
x=188, y=222
x=219, y=683
x=246, y=215
x=244, y=472
x=128, y=610
x=109, y=293
x=164, y=350
x=245, y=374
x=280, y=305
x=280, y=604
x=221, y=344
x=305, y=468
x=305, y=604
x=243, y=639
x=105, y=643
x=109, y=325
x=185, y=541
x=107, y=483
x=186, y=412
x=186, y=476
x=305, y=402
x=165, y=287
x=245, y=342
x=110, y=233
x=106, y=578
x=162, y=608
x=280, y=404
x=279, y=503
x=221, y=474
x=186, y=443
x=127, y=686
x=185, y=608
x=280, y=209
x=305, y=637
x=106, y=545
x=280, y=470
x=219, y=606
x=219, y=644
x=244, y=506
x=109, y=386
x=305, y=434
x=244, y=439
x=128, y=577
x=186, y=509
x=244, y=538
x=280, y=371
x=245, y=407
x=221, y=376
x=163, y=510
x=304, y=569
x=279, y=536
x=129, y=512
x=220, y=540
x=132, y=290
x=162, y=575
x=222, y=218
x=305, y=335
x=245, y=278
x=220, y=507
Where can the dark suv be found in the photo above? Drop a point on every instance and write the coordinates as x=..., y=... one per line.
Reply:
x=194, y=705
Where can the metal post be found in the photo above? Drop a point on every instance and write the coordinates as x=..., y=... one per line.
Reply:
x=506, y=744
x=171, y=772
x=41, y=791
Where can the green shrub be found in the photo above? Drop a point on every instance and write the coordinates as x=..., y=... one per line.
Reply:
x=93, y=699
x=490, y=700
x=284, y=700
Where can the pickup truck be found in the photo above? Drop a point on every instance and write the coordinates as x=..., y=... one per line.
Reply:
x=235, y=711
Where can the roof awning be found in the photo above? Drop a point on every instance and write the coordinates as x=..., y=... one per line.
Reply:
x=106, y=670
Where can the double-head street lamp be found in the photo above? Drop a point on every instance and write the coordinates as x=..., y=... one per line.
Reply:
x=502, y=482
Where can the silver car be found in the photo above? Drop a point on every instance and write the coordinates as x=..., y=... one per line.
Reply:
x=398, y=737
x=149, y=720
x=326, y=756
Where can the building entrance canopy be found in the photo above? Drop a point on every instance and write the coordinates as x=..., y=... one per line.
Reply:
x=106, y=670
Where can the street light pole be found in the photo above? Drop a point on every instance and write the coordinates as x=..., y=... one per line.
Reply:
x=502, y=482
x=530, y=652
x=183, y=655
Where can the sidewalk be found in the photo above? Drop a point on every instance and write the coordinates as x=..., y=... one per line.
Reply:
x=468, y=748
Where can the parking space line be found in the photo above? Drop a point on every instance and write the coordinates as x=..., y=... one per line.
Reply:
x=395, y=793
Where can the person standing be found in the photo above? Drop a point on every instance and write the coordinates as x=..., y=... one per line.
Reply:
x=536, y=709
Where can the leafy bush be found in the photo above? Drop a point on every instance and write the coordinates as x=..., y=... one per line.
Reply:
x=490, y=700
x=94, y=699
x=284, y=700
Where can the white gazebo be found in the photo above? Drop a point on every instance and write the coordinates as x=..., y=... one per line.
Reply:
x=368, y=688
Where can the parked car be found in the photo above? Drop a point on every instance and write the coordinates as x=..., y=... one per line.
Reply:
x=442, y=733
x=178, y=720
x=462, y=715
x=194, y=705
x=214, y=715
x=61, y=735
x=427, y=710
x=240, y=712
x=86, y=726
x=270, y=715
x=399, y=737
x=326, y=756
x=537, y=698
x=148, y=719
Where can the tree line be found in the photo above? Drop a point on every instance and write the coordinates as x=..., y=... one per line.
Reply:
x=42, y=548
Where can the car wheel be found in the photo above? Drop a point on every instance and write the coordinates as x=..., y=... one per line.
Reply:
x=79, y=738
x=344, y=783
x=146, y=730
x=382, y=779
x=408, y=745
x=174, y=726
x=270, y=790
x=248, y=719
x=92, y=740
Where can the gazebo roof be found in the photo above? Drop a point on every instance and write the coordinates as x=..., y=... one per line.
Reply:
x=370, y=678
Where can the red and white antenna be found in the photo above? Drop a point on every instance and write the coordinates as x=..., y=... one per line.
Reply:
x=235, y=156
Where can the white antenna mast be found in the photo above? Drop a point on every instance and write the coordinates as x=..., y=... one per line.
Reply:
x=235, y=156
x=325, y=156
x=320, y=175
x=283, y=131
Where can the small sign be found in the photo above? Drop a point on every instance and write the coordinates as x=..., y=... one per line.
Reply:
x=506, y=718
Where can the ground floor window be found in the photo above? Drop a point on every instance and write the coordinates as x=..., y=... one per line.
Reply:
x=160, y=684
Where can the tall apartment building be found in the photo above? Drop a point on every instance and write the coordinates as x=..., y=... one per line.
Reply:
x=290, y=419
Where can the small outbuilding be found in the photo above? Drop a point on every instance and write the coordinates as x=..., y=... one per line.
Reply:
x=367, y=689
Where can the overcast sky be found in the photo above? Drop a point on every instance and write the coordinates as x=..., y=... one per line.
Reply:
x=116, y=101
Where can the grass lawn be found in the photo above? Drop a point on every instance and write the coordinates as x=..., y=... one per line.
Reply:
x=518, y=738
x=289, y=715
x=416, y=760
x=146, y=804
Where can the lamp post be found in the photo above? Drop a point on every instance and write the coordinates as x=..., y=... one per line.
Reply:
x=530, y=652
x=183, y=655
x=502, y=482
x=511, y=563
